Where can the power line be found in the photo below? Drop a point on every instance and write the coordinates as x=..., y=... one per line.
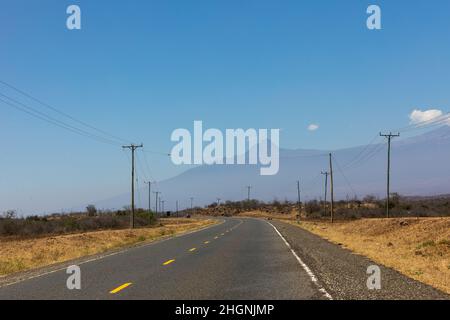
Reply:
x=312, y=183
x=345, y=177
x=147, y=165
x=305, y=156
x=141, y=168
x=157, y=152
x=426, y=123
x=42, y=116
x=63, y=113
x=104, y=137
x=368, y=156
x=368, y=152
x=367, y=147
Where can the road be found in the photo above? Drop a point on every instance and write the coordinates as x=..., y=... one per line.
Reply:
x=237, y=259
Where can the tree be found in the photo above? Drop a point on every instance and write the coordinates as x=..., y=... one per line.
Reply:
x=10, y=214
x=395, y=199
x=369, y=199
x=91, y=210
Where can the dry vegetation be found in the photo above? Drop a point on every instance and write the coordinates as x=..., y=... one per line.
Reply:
x=368, y=207
x=23, y=254
x=56, y=224
x=418, y=248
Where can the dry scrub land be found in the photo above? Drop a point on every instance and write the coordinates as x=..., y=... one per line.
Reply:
x=416, y=247
x=21, y=255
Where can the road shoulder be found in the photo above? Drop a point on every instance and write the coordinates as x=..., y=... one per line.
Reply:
x=344, y=274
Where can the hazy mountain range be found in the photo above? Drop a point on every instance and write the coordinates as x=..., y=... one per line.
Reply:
x=420, y=166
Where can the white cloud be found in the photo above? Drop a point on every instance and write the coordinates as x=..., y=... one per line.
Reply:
x=418, y=116
x=313, y=127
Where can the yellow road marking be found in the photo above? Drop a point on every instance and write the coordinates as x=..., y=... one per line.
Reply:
x=120, y=288
x=193, y=249
x=206, y=242
x=168, y=262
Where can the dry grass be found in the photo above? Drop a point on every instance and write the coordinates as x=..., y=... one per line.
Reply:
x=418, y=248
x=21, y=255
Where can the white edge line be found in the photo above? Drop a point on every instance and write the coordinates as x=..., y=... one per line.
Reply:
x=305, y=267
x=110, y=255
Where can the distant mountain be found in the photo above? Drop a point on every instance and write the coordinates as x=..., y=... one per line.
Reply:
x=420, y=166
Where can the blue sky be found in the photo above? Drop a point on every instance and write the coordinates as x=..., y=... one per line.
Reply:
x=141, y=69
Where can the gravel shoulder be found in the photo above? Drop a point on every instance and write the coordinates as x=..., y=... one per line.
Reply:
x=344, y=274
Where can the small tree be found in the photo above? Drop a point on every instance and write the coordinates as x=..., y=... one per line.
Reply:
x=91, y=210
x=10, y=214
x=369, y=199
x=395, y=200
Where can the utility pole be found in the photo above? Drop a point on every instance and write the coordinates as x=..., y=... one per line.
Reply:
x=133, y=148
x=348, y=202
x=389, y=136
x=156, y=201
x=325, y=173
x=332, y=191
x=299, y=201
x=176, y=204
x=149, y=196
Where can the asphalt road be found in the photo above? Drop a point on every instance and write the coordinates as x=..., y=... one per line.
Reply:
x=237, y=259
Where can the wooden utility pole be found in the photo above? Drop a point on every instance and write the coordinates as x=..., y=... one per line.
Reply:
x=389, y=136
x=133, y=148
x=176, y=204
x=325, y=173
x=156, y=201
x=332, y=191
x=299, y=201
x=149, y=196
x=248, y=193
